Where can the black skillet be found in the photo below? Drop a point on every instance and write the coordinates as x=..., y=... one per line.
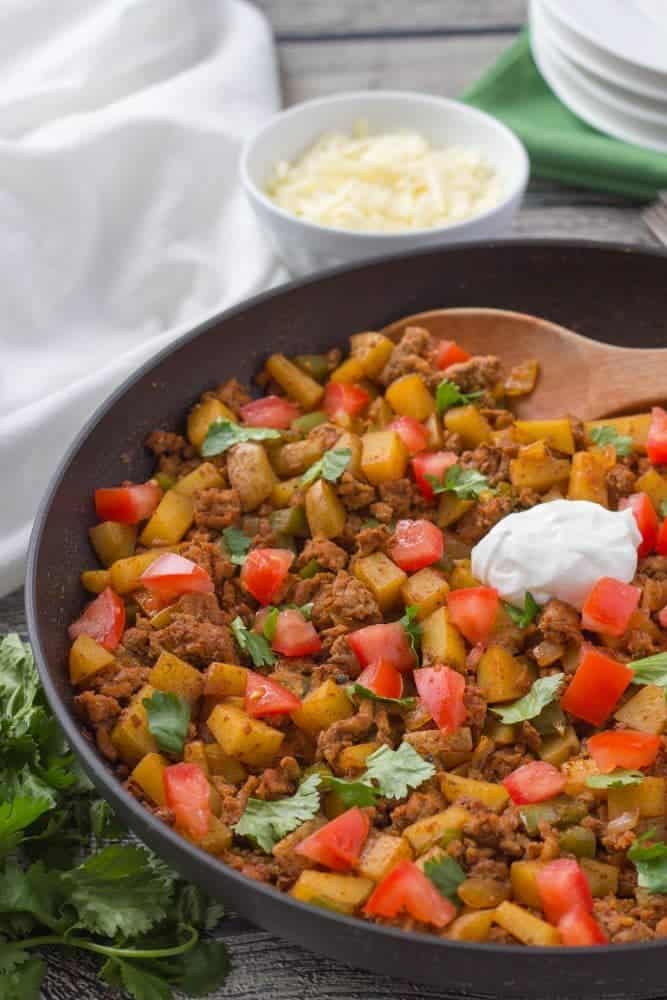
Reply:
x=607, y=292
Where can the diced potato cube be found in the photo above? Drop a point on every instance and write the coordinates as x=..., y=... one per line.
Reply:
x=96, y=580
x=323, y=706
x=471, y=926
x=149, y=776
x=194, y=752
x=250, y=473
x=557, y=433
x=647, y=797
x=131, y=736
x=223, y=679
x=223, y=766
x=354, y=758
x=170, y=521
x=381, y=853
x=249, y=740
x=384, y=457
x=451, y=509
x=324, y=511
x=380, y=414
x=170, y=673
x=654, y=485
x=536, y=469
x=203, y=415
x=373, y=350
x=112, y=540
x=455, y=787
x=427, y=589
x=283, y=491
x=353, y=443
x=205, y=477
x=409, y=396
x=293, y=458
x=501, y=734
x=645, y=711
x=218, y=838
x=588, y=479
x=450, y=749
x=467, y=421
x=86, y=658
x=383, y=578
x=501, y=676
x=523, y=925
x=344, y=893
x=441, y=641
x=461, y=576
x=560, y=747
x=576, y=773
x=428, y=832
x=523, y=876
x=602, y=878
x=300, y=387
x=635, y=427
x=163, y=617
x=433, y=427
x=351, y=370
x=482, y=893
x=125, y=573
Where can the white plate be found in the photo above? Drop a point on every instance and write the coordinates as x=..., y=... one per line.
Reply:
x=632, y=30
x=559, y=75
x=644, y=109
x=603, y=64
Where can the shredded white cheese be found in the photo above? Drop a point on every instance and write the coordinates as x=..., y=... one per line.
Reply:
x=390, y=182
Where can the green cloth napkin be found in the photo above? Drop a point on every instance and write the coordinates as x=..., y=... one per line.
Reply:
x=561, y=146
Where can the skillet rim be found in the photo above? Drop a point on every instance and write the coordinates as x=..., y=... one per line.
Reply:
x=111, y=788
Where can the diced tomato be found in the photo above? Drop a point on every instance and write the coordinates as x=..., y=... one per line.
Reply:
x=383, y=642
x=383, y=679
x=578, y=928
x=563, y=885
x=656, y=442
x=473, y=611
x=406, y=888
x=171, y=575
x=413, y=434
x=623, y=748
x=265, y=697
x=441, y=692
x=294, y=636
x=188, y=795
x=449, y=353
x=264, y=572
x=610, y=606
x=431, y=463
x=270, y=411
x=127, y=504
x=661, y=542
x=646, y=518
x=417, y=544
x=103, y=620
x=596, y=686
x=344, y=399
x=534, y=782
x=338, y=844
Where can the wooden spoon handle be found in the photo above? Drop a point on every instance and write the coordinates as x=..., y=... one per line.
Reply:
x=625, y=379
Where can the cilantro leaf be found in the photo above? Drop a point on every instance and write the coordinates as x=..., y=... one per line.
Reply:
x=121, y=889
x=253, y=644
x=331, y=466
x=397, y=771
x=265, y=823
x=446, y=875
x=23, y=978
x=359, y=691
x=139, y=982
x=223, y=434
x=466, y=484
x=448, y=394
x=270, y=623
x=525, y=615
x=168, y=720
x=205, y=968
x=617, y=779
x=237, y=544
x=606, y=434
x=543, y=691
x=412, y=627
x=16, y=815
x=351, y=793
x=33, y=891
x=651, y=863
x=650, y=670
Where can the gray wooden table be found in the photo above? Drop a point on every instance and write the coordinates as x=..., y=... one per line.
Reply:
x=325, y=46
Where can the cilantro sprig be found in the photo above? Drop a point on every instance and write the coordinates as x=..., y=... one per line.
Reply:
x=541, y=694
x=395, y=772
x=359, y=691
x=253, y=644
x=650, y=860
x=650, y=670
x=237, y=543
x=448, y=394
x=446, y=875
x=606, y=434
x=616, y=779
x=168, y=720
x=224, y=434
x=525, y=615
x=265, y=823
x=331, y=466
x=412, y=627
x=466, y=484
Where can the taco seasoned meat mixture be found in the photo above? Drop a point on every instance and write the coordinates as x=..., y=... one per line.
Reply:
x=290, y=660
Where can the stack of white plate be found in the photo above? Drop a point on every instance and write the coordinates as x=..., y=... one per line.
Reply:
x=607, y=61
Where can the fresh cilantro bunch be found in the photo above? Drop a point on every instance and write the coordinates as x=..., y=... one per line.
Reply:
x=57, y=888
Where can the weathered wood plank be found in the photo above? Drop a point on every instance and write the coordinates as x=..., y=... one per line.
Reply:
x=306, y=18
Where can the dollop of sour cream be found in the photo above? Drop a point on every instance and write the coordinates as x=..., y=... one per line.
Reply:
x=557, y=549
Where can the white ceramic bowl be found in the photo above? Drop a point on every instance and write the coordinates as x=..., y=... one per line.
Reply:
x=306, y=246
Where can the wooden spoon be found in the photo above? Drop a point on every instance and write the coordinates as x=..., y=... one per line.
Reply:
x=578, y=376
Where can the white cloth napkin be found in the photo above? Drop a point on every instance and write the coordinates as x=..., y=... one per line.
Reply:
x=122, y=221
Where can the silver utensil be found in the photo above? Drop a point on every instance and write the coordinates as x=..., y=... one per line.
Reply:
x=655, y=217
